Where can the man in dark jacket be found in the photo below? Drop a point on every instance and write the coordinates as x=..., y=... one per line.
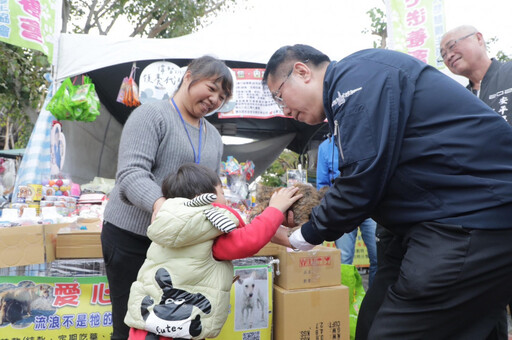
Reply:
x=464, y=52
x=423, y=157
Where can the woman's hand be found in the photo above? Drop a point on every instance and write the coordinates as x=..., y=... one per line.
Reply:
x=156, y=207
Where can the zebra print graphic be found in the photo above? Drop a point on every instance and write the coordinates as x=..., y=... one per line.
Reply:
x=201, y=200
x=219, y=220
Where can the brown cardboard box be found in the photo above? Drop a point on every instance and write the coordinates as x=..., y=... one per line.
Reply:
x=26, y=245
x=319, y=267
x=310, y=314
x=50, y=239
x=270, y=249
x=81, y=241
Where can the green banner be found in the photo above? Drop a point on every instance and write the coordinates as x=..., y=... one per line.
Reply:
x=416, y=27
x=55, y=308
x=29, y=24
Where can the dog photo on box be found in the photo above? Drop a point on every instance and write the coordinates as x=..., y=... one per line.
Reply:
x=251, y=299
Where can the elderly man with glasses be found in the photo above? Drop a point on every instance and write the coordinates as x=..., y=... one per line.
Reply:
x=464, y=52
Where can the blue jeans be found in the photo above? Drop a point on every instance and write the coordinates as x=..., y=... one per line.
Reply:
x=347, y=244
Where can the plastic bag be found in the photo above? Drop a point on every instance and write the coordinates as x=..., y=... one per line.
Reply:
x=75, y=102
x=85, y=101
x=60, y=104
x=350, y=277
x=129, y=91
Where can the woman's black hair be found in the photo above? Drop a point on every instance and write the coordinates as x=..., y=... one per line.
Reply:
x=207, y=67
x=190, y=181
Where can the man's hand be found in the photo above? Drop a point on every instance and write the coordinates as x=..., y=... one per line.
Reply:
x=288, y=219
x=281, y=237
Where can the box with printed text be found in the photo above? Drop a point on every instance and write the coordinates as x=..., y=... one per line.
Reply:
x=319, y=267
x=311, y=314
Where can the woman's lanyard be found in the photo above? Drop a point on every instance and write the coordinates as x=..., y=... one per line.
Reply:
x=198, y=158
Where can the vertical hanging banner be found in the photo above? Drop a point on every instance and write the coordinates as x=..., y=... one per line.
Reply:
x=53, y=308
x=29, y=24
x=415, y=27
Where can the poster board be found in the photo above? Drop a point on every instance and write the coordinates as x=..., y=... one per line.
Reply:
x=55, y=308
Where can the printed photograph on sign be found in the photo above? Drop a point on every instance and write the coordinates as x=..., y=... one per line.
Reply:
x=251, y=299
x=21, y=304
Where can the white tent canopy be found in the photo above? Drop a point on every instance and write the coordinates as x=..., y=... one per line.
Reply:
x=249, y=35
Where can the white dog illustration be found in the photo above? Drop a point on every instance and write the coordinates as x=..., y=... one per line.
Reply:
x=252, y=300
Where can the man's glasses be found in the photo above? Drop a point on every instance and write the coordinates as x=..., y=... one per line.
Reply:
x=277, y=96
x=451, y=46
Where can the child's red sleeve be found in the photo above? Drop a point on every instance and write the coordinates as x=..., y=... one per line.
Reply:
x=247, y=241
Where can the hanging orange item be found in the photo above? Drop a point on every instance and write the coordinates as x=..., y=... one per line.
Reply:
x=129, y=91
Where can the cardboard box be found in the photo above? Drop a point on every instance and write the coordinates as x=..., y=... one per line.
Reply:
x=311, y=314
x=80, y=241
x=271, y=249
x=319, y=267
x=26, y=245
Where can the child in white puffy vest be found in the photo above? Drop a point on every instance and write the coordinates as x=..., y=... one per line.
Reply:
x=183, y=288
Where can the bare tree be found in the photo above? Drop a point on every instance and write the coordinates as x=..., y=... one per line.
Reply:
x=156, y=18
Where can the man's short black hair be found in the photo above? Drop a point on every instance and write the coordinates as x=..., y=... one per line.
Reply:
x=299, y=52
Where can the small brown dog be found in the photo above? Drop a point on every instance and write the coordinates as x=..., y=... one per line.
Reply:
x=22, y=297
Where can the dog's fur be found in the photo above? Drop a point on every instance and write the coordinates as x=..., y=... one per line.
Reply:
x=23, y=295
x=252, y=300
x=301, y=209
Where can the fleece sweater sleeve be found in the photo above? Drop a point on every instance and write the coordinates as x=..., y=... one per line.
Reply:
x=138, y=147
x=248, y=240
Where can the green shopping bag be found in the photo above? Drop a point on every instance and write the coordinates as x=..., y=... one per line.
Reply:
x=85, y=101
x=350, y=277
x=75, y=102
x=60, y=104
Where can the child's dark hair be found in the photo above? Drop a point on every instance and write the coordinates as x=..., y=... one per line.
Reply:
x=190, y=181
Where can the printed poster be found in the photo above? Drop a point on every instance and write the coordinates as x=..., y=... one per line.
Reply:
x=416, y=27
x=54, y=308
x=250, y=310
x=30, y=24
x=361, y=258
x=253, y=100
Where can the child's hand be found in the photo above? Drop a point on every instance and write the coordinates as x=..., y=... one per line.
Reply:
x=284, y=198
